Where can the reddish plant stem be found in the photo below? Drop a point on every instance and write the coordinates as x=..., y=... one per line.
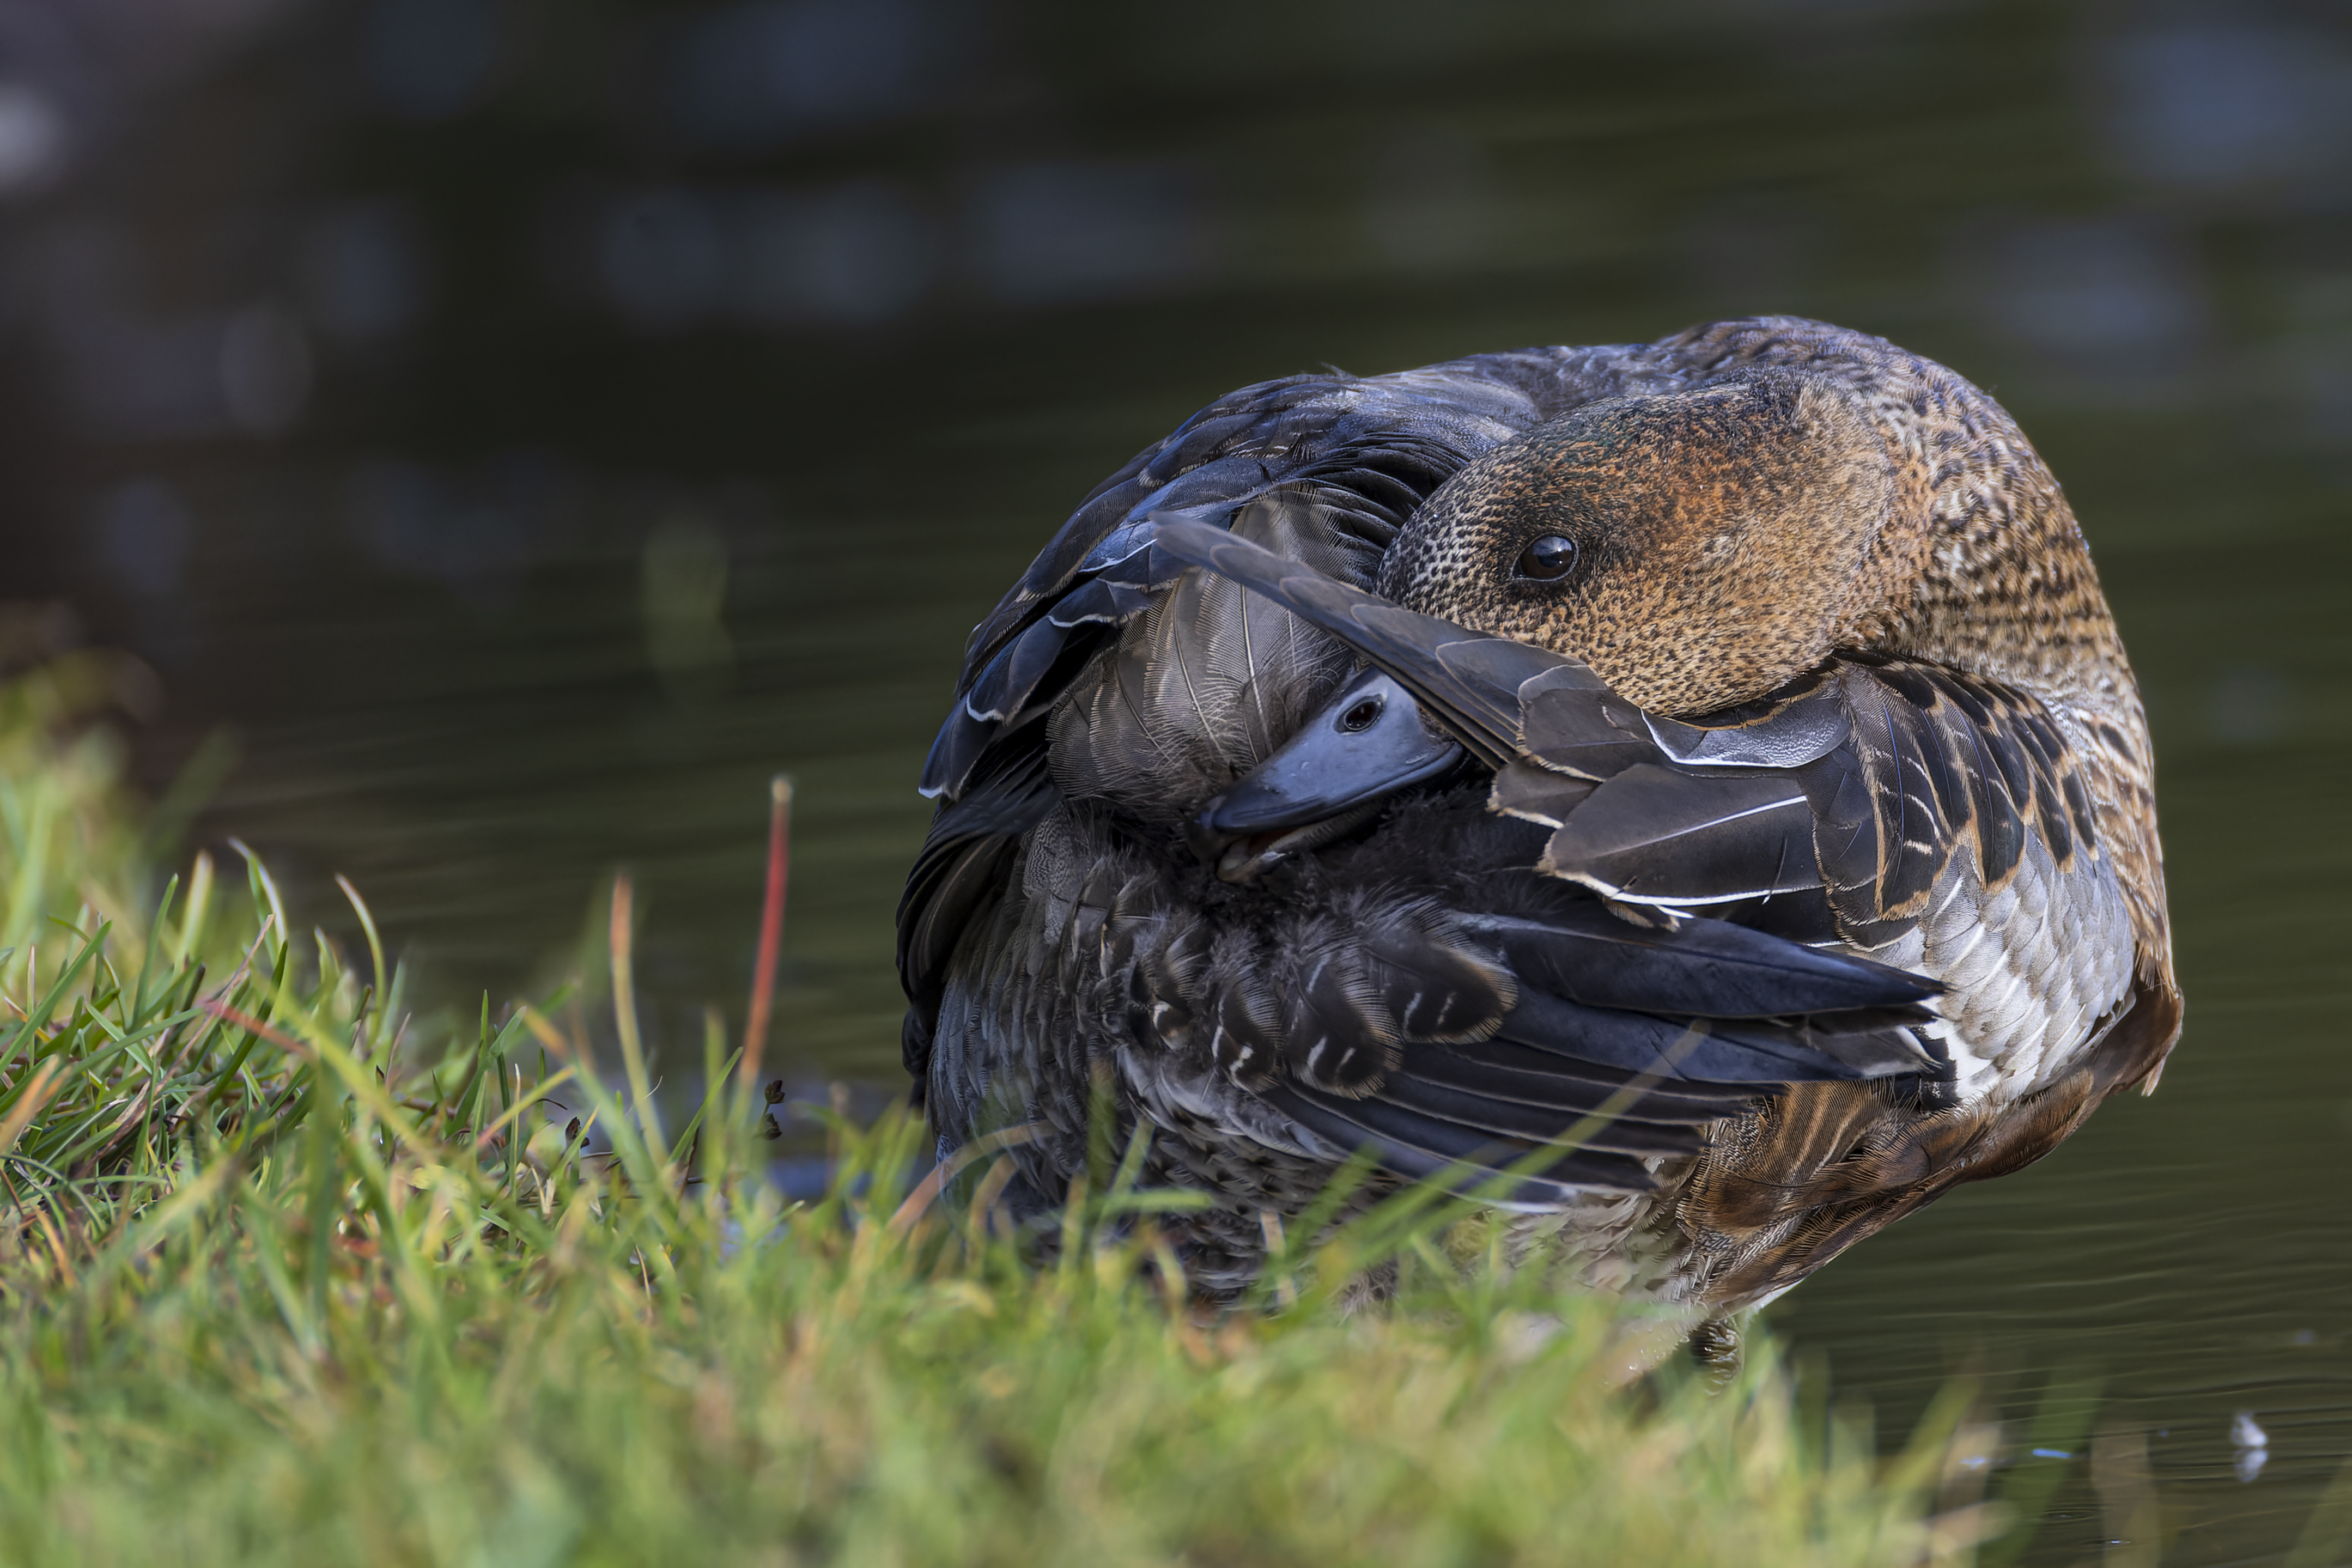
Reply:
x=251, y=1024
x=771, y=931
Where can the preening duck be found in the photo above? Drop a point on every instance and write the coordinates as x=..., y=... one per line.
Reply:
x=1717, y=753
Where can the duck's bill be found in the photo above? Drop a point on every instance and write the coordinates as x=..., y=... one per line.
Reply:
x=1364, y=745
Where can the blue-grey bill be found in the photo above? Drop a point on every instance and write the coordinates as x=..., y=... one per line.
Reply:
x=1362, y=746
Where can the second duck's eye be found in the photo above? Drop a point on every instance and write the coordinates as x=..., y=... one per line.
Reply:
x=1362, y=716
x=1548, y=558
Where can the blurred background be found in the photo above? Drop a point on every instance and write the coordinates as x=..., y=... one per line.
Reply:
x=511, y=429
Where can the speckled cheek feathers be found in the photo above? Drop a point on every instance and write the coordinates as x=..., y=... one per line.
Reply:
x=1726, y=537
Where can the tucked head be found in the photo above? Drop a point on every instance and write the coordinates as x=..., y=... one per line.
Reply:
x=1702, y=548
x=1697, y=549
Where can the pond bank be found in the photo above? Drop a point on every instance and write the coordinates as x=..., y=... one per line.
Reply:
x=278, y=1287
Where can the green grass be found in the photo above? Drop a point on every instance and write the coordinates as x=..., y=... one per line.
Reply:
x=276, y=1286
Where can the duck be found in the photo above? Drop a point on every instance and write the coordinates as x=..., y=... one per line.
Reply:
x=1692, y=793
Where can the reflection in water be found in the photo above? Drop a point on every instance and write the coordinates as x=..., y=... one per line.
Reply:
x=530, y=427
x=2106, y=311
x=685, y=592
x=752, y=78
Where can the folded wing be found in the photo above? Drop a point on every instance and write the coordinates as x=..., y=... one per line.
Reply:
x=1828, y=818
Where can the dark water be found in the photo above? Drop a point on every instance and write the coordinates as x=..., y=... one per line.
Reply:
x=525, y=426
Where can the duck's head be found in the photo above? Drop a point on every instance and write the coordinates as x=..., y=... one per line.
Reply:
x=1702, y=548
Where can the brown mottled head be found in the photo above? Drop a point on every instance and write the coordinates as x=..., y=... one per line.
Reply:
x=1701, y=547
x=1696, y=548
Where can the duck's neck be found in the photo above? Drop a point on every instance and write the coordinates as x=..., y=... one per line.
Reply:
x=2001, y=587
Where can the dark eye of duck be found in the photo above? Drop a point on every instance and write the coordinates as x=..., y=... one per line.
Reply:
x=1548, y=558
x=1362, y=716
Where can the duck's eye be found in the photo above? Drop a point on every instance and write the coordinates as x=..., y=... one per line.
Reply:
x=1362, y=716
x=1548, y=558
